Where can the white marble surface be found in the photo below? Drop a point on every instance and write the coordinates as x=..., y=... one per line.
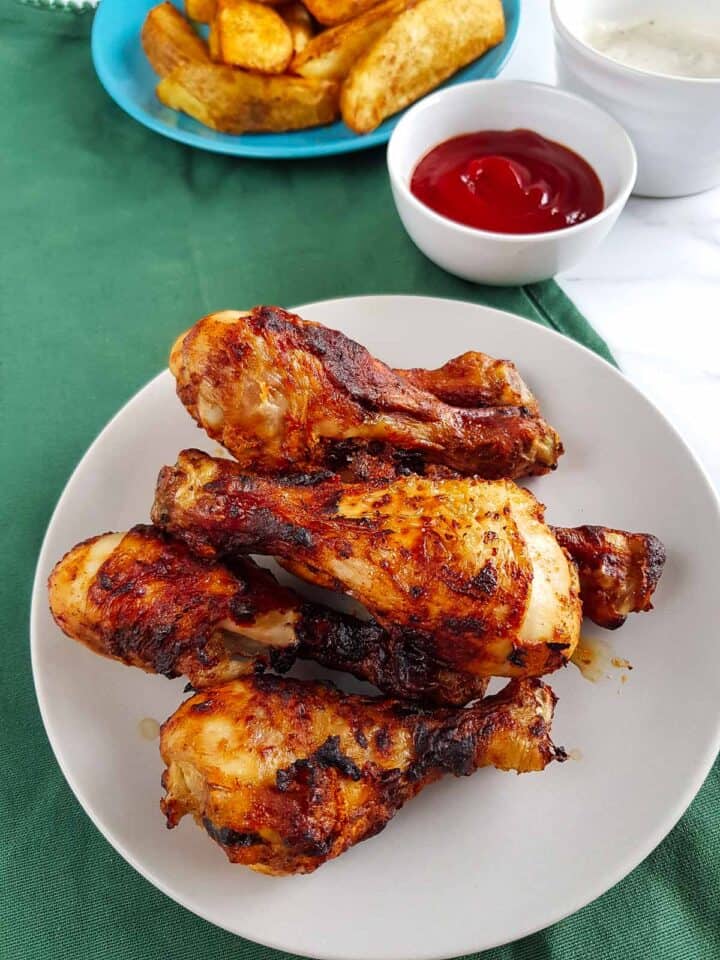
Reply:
x=653, y=288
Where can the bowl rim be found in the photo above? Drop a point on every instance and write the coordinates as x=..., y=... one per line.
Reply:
x=611, y=211
x=603, y=60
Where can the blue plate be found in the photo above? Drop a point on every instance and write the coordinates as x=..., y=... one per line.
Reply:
x=125, y=73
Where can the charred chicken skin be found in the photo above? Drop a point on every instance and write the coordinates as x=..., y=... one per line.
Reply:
x=286, y=395
x=285, y=775
x=142, y=598
x=394, y=487
x=475, y=380
x=618, y=571
x=466, y=569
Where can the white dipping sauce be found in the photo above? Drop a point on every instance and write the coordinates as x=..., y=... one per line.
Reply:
x=660, y=46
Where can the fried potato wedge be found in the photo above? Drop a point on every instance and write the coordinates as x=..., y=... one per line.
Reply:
x=251, y=35
x=204, y=10
x=232, y=101
x=425, y=45
x=332, y=12
x=331, y=54
x=214, y=42
x=201, y=10
x=299, y=23
x=169, y=41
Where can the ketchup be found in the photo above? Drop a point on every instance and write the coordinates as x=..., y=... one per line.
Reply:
x=508, y=181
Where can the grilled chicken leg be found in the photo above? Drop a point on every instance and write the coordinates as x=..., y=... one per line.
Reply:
x=475, y=380
x=285, y=775
x=282, y=394
x=142, y=598
x=618, y=571
x=465, y=568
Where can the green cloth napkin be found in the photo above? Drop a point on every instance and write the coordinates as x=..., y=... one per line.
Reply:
x=113, y=240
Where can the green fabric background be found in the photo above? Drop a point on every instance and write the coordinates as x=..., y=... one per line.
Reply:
x=113, y=240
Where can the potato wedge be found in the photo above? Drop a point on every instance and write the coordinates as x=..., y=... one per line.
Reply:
x=332, y=12
x=299, y=23
x=233, y=101
x=204, y=10
x=331, y=54
x=251, y=35
x=214, y=42
x=201, y=10
x=170, y=41
x=425, y=45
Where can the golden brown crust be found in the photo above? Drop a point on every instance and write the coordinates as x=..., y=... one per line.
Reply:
x=239, y=101
x=475, y=380
x=618, y=570
x=424, y=45
x=144, y=599
x=464, y=567
x=169, y=41
x=333, y=12
x=284, y=394
x=285, y=775
x=331, y=53
x=152, y=604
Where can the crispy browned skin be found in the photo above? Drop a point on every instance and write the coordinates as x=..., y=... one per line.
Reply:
x=464, y=568
x=142, y=598
x=424, y=45
x=169, y=41
x=284, y=394
x=475, y=380
x=396, y=664
x=330, y=12
x=239, y=101
x=285, y=775
x=618, y=571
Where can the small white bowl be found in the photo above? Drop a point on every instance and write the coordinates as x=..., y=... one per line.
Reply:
x=674, y=122
x=502, y=258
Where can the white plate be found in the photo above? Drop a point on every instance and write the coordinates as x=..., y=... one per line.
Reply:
x=470, y=864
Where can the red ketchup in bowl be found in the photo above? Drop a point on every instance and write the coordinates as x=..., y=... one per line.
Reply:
x=508, y=181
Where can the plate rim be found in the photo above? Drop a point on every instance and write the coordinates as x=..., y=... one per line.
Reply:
x=240, y=147
x=592, y=891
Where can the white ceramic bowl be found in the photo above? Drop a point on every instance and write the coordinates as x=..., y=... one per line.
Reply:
x=500, y=258
x=674, y=122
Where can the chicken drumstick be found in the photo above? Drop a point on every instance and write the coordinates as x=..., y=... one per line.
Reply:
x=283, y=394
x=142, y=598
x=464, y=568
x=285, y=775
x=618, y=570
